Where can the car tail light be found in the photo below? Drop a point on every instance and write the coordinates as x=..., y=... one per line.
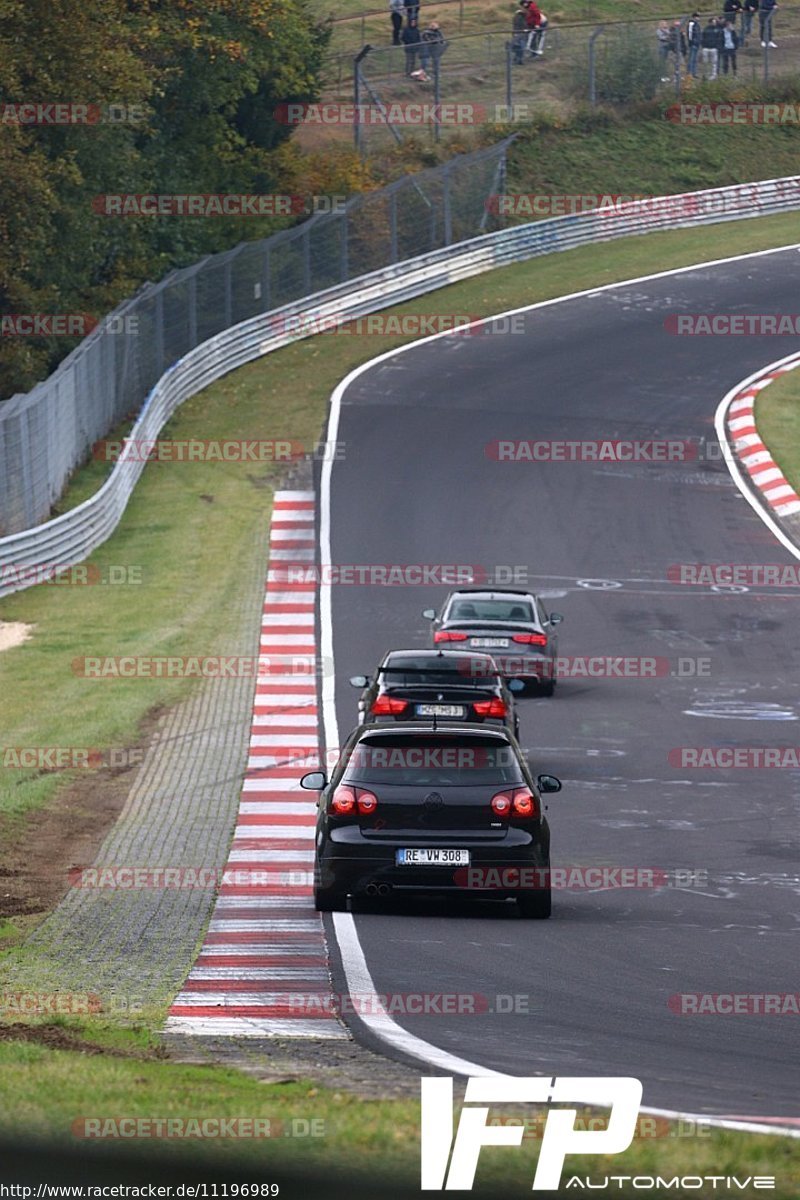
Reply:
x=501, y=804
x=490, y=708
x=386, y=706
x=343, y=802
x=523, y=803
x=347, y=801
x=366, y=802
x=530, y=639
x=449, y=635
x=517, y=803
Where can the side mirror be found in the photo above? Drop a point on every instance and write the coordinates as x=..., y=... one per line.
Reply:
x=359, y=680
x=315, y=781
x=429, y=614
x=515, y=685
x=545, y=783
x=556, y=618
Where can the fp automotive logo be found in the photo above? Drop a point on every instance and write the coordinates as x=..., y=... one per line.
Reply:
x=560, y=1138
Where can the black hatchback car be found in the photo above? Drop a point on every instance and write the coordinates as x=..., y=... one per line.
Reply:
x=453, y=809
x=448, y=685
x=513, y=626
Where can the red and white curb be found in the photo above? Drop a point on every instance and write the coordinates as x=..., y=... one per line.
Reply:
x=263, y=968
x=752, y=454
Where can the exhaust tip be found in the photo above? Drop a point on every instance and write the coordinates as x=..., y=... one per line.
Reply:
x=372, y=889
x=383, y=889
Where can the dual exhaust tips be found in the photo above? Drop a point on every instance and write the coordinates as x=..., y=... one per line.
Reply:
x=378, y=889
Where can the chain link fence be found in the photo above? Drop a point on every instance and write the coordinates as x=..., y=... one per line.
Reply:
x=47, y=433
x=497, y=78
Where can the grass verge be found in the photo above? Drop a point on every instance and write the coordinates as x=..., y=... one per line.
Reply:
x=778, y=417
x=50, y=1091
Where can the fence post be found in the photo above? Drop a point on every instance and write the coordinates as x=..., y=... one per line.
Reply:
x=363, y=52
x=228, y=293
x=306, y=241
x=393, y=226
x=593, y=66
x=448, y=213
x=193, y=310
x=437, y=94
x=344, y=261
x=266, y=278
x=509, y=85
x=158, y=331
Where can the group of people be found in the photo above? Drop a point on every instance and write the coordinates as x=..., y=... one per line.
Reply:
x=429, y=43
x=529, y=30
x=713, y=45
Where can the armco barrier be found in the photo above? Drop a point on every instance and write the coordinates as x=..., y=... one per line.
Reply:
x=72, y=537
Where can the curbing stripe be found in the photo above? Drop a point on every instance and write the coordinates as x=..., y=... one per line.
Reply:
x=265, y=937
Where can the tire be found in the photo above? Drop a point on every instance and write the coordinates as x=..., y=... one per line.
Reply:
x=537, y=906
x=329, y=900
x=547, y=689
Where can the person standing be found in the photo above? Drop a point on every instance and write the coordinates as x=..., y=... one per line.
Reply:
x=432, y=46
x=748, y=12
x=662, y=37
x=396, y=9
x=519, y=32
x=533, y=19
x=766, y=9
x=730, y=44
x=693, y=34
x=412, y=10
x=411, y=40
x=677, y=45
x=539, y=35
x=709, y=46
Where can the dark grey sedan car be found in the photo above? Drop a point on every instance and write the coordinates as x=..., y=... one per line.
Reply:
x=513, y=626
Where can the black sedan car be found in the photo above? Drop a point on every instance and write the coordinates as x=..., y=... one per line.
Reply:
x=452, y=809
x=513, y=626
x=449, y=685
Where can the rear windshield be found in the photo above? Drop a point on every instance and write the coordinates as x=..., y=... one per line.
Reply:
x=490, y=610
x=467, y=761
x=469, y=671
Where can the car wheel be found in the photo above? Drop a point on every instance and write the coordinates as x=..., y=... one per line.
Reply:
x=329, y=900
x=537, y=906
x=548, y=689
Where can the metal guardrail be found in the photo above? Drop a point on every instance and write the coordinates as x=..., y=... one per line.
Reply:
x=72, y=537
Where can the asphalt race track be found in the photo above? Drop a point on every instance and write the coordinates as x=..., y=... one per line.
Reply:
x=416, y=486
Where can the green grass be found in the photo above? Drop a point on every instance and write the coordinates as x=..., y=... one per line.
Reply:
x=44, y=1092
x=778, y=417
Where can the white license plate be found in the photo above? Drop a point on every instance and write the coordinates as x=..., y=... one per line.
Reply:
x=440, y=710
x=491, y=643
x=433, y=858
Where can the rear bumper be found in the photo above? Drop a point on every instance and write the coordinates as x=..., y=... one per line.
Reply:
x=494, y=872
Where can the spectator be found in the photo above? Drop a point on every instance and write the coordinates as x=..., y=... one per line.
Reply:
x=748, y=12
x=709, y=46
x=533, y=19
x=730, y=10
x=765, y=11
x=411, y=40
x=730, y=44
x=412, y=10
x=677, y=44
x=539, y=35
x=432, y=46
x=396, y=9
x=693, y=34
x=519, y=32
x=662, y=37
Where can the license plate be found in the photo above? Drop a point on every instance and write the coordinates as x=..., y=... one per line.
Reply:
x=433, y=858
x=491, y=643
x=440, y=710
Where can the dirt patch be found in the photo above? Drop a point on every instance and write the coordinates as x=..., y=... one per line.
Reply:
x=39, y=851
x=13, y=633
x=55, y=1037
